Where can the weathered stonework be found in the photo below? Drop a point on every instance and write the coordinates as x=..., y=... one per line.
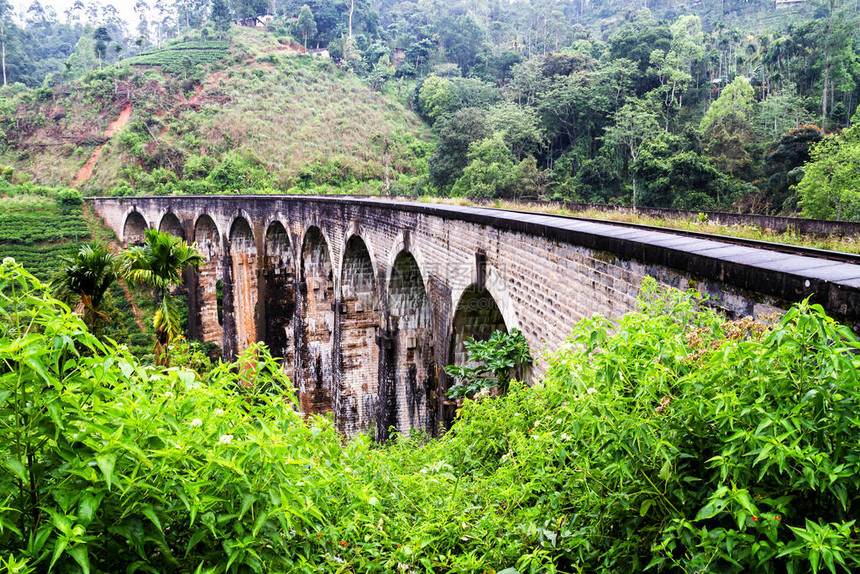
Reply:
x=277, y=291
x=204, y=322
x=357, y=379
x=367, y=301
x=242, y=262
x=316, y=378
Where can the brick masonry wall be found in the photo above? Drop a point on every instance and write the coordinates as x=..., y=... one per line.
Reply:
x=242, y=254
x=358, y=353
x=541, y=273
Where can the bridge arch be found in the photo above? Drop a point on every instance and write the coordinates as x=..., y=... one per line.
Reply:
x=359, y=317
x=207, y=237
x=206, y=295
x=315, y=371
x=408, y=385
x=476, y=316
x=278, y=294
x=134, y=228
x=493, y=281
x=171, y=224
x=242, y=303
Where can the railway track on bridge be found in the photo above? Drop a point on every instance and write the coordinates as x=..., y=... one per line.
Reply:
x=838, y=256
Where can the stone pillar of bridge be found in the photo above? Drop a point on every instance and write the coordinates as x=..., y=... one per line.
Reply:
x=204, y=306
x=278, y=294
x=240, y=290
x=407, y=393
x=315, y=326
x=356, y=349
x=170, y=224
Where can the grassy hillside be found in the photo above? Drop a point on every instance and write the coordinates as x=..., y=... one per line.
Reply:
x=208, y=117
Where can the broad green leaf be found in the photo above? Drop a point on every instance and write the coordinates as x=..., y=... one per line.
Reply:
x=81, y=556
x=87, y=507
x=259, y=522
x=149, y=512
x=645, y=507
x=59, y=547
x=16, y=467
x=665, y=471
x=106, y=463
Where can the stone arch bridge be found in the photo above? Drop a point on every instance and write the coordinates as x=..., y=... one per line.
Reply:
x=368, y=300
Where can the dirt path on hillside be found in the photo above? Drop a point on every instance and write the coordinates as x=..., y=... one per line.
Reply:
x=86, y=171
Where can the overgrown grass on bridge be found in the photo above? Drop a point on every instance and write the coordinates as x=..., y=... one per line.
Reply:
x=843, y=243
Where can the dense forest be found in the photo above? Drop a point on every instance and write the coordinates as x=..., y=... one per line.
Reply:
x=683, y=104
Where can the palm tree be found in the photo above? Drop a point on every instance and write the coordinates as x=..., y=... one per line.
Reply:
x=159, y=263
x=83, y=280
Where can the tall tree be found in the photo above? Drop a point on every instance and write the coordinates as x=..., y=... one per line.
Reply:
x=306, y=25
x=141, y=8
x=5, y=23
x=829, y=189
x=83, y=280
x=827, y=54
x=462, y=38
x=221, y=17
x=727, y=127
x=635, y=124
x=102, y=39
x=159, y=263
x=249, y=10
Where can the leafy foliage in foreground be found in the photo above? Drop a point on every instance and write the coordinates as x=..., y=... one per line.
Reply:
x=671, y=439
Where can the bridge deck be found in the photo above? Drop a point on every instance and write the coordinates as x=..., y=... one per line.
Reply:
x=806, y=263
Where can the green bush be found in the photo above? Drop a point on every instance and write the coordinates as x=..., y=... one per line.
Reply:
x=112, y=465
x=491, y=364
x=678, y=441
x=237, y=172
x=671, y=440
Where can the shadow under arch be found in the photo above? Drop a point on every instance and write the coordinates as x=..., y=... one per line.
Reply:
x=407, y=395
x=171, y=224
x=240, y=284
x=278, y=295
x=315, y=327
x=206, y=324
x=477, y=316
x=359, y=317
x=134, y=229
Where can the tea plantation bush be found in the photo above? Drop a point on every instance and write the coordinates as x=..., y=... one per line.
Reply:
x=178, y=58
x=672, y=440
x=38, y=225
